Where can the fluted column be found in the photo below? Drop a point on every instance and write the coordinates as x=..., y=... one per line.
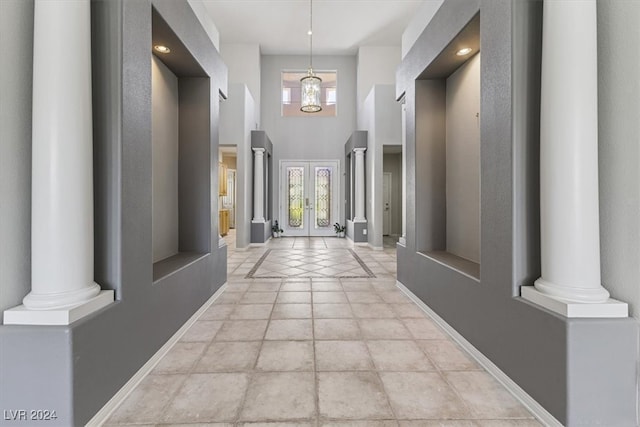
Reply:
x=570, y=245
x=62, y=161
x=258, y=184
x=360, y=190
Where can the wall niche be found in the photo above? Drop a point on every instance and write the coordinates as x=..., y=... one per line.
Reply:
x=181, y=132
x=448, y=148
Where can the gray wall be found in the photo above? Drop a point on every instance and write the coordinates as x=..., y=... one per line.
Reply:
x=164, y=134
x=619, y=150
x=243, y=60
x=236, y=122
x=16, y=41
x=392, y=163
x=87, y=362
x=463, y=161
x=583, y=371
x=309, y=137
x=382, y=119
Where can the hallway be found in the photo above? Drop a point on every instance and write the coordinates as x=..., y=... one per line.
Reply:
x=311, y=340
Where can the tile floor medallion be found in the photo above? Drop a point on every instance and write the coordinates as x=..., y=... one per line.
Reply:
x=310, y=263
x=313, y=332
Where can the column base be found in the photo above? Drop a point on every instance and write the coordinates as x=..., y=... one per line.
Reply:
x=402, y=240
x=258, y=221
x=21, y=315
x=607, y=309
x=359, y=220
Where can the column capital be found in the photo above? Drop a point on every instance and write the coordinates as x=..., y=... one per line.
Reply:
x=360, y=150
x=258, y=150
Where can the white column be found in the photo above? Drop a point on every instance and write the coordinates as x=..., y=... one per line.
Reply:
x=570, y=245
x=360, y=193
x=62, y=166
x=258, y=184
x=403, y=238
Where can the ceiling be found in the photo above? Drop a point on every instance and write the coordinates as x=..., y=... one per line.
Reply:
x=339, y=26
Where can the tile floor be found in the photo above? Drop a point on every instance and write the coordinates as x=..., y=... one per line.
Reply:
x=317, y=351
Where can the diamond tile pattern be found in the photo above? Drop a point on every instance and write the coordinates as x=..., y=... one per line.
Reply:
x=306, y=335
x=310, y=263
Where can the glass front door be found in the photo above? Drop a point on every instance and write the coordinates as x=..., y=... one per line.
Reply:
x=309, y=194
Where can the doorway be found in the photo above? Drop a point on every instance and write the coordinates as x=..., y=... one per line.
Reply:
x=309, y=197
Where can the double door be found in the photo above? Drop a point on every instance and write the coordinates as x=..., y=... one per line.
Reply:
x=309, y=197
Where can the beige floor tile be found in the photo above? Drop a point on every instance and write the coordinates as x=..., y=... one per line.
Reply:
x=332, y=311
x=229, y=298
x=383, y=329
x=424, y=329
x=276, y=424
x=329, y=297
x=229, y=356
x=258, y=298
x=485, y=396
x=261, y=285
x=356, y=286
x=294, y=297
x=343, y=356
x=147, y=401
x=422, y=395
x=291, y=311
x=296, y=286
x=447, y=355
x=208, y=398
x=181, y=358
x=251, y=311
x=372, y=311
x=394, y=297
x=218, y=312
x=328, y=286
x=280, y=396
x=438, y=423
x=197, y=425
x=336, y=329
x=290, y=329
x=396, y=355
x=237, y=286
x=242, y=330
x=363, y=297
x=408, y=311
x=202, y=331
x=286, y=356
x=352, y=395
x=367, y=423
x=508, y=423
x=388, y=284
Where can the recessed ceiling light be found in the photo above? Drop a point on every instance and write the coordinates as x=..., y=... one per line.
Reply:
x=309, y=32
x=464, y=51
x=162, y=49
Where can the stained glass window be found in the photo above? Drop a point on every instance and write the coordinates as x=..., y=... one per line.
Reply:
x=295, y=178
x=323, y=197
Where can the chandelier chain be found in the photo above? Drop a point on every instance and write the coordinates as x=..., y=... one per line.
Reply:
x=310, y=34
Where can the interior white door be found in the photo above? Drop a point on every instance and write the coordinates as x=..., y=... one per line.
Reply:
x=386, y=199
x=309, y=194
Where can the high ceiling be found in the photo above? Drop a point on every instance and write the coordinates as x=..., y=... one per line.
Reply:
x=339, y=26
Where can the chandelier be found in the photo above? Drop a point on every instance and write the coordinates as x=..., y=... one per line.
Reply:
x=310, y=84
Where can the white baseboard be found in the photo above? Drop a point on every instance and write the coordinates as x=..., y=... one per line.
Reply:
x=523, y=397
x=103, y=414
